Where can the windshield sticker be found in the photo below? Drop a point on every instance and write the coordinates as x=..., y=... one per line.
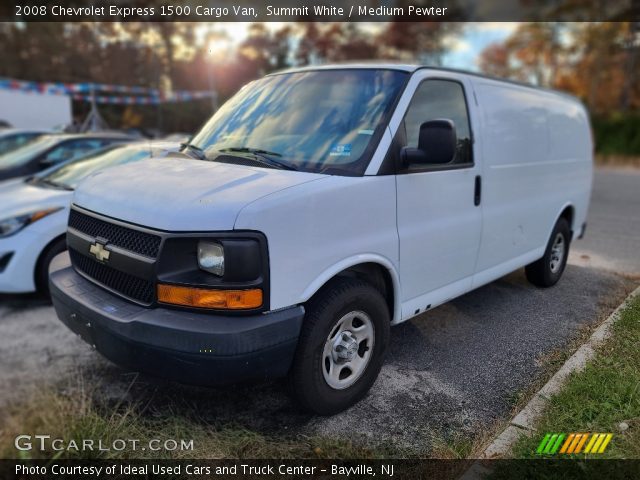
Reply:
x=365, y=132
x=341, y=150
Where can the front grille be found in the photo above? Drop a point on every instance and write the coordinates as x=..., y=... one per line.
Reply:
x=133, y=287
x=135, y=241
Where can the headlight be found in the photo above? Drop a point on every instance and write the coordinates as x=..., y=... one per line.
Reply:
x=12, y=225
x=211, y=257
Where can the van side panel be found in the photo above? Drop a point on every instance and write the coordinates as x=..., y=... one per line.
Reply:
x=321, y=229
x=537, y=160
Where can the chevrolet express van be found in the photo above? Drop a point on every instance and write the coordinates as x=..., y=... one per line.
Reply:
x=317, y=208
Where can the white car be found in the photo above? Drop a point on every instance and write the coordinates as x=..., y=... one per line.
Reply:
x=317, y=208
x=34, y=213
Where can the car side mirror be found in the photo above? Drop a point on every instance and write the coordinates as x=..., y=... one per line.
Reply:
x=436, y=144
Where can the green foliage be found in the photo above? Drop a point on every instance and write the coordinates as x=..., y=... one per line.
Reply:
x=74, y=414
x=618, y=134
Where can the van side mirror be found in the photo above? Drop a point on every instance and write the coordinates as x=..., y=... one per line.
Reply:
x=436, y=144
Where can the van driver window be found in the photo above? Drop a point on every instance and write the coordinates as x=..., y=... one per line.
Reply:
x=440, y=99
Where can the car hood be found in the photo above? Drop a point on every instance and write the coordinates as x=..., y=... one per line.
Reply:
x=18, y=198
x=182, y=194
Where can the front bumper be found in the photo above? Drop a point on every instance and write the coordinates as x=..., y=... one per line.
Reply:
x=190, y=347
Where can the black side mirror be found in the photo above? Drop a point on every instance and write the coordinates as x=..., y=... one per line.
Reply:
x=436, y=144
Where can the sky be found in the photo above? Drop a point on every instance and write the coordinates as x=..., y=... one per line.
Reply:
x=462, y=53
x=464, y=50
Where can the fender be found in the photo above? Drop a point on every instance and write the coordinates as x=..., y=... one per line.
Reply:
x=558, y=214
x=346, y=263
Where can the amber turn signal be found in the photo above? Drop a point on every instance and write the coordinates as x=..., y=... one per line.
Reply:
x=206, y=298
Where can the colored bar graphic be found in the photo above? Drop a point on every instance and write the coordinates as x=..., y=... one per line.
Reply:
x=573, y=443
x=582, y=442
x=605, y=443
x=550, y=443
x=556, y=446
x=599, y=441
x=592, y=441
x=543, y=443
x=567, y=443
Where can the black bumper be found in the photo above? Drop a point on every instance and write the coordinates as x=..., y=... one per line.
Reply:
x=189, y=347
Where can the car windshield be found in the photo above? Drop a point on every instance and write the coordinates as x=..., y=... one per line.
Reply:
x=325, y=121
x=23, y=155
x=12, y=141
x=70, y=174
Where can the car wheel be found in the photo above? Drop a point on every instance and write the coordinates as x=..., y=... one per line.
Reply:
x=341, y=348
x=547, y=271
x=42, y=267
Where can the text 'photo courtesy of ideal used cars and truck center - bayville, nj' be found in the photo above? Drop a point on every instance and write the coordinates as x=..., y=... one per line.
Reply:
x=345, y=240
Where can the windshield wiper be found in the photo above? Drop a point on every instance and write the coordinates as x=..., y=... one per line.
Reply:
x=262, y=155
x=198, y=152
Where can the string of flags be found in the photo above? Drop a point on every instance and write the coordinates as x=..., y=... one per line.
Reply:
x=182, y=96
x=88, y=92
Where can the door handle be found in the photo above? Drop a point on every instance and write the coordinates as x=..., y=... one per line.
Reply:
x=477, y=195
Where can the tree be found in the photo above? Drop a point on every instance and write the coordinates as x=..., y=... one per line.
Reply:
x=495, y=60
x=595, y=61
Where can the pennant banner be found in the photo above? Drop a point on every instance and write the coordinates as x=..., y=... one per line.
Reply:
x=140, y=100
x=85, y=92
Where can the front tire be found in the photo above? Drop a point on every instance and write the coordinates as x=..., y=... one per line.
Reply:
x=342, y=346
x=547, y=271
x=42, y=267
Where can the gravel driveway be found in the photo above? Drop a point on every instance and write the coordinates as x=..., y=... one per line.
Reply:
x=452, y=372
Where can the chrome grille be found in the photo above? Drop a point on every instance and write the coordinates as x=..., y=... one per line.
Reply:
x=127, y=285
x=135, y=241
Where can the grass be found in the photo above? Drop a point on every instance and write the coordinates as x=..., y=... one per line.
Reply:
x=597, y=399
x=74, y=413
x=617, y=134
x=602, y=396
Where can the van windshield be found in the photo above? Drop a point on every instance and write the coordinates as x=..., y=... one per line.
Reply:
x=325, y=121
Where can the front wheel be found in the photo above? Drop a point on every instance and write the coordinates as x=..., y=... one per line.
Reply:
x=342, y=346
x=547, y=271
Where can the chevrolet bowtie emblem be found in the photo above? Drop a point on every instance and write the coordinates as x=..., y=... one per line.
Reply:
x=98, y=251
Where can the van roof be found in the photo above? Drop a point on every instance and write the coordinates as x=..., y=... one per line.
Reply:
x=410, y=68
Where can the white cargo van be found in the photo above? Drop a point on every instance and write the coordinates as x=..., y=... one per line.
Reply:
x=317, y=208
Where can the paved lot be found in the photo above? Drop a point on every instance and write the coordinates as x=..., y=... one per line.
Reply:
x=613, y=233
x=452, y=372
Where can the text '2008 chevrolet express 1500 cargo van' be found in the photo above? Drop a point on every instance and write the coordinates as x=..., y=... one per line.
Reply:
x=315, y=209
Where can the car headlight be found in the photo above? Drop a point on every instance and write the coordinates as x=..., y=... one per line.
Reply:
x=211, y=257
x=12, y=225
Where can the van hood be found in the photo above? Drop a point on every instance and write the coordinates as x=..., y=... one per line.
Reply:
x=182, y=194
x=19, y=197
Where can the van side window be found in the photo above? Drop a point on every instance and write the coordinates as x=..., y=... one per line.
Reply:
x=440, y=99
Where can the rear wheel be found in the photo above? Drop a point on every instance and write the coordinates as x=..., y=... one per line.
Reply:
x=341, y=348
x=42, y=267
x=547, y=271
